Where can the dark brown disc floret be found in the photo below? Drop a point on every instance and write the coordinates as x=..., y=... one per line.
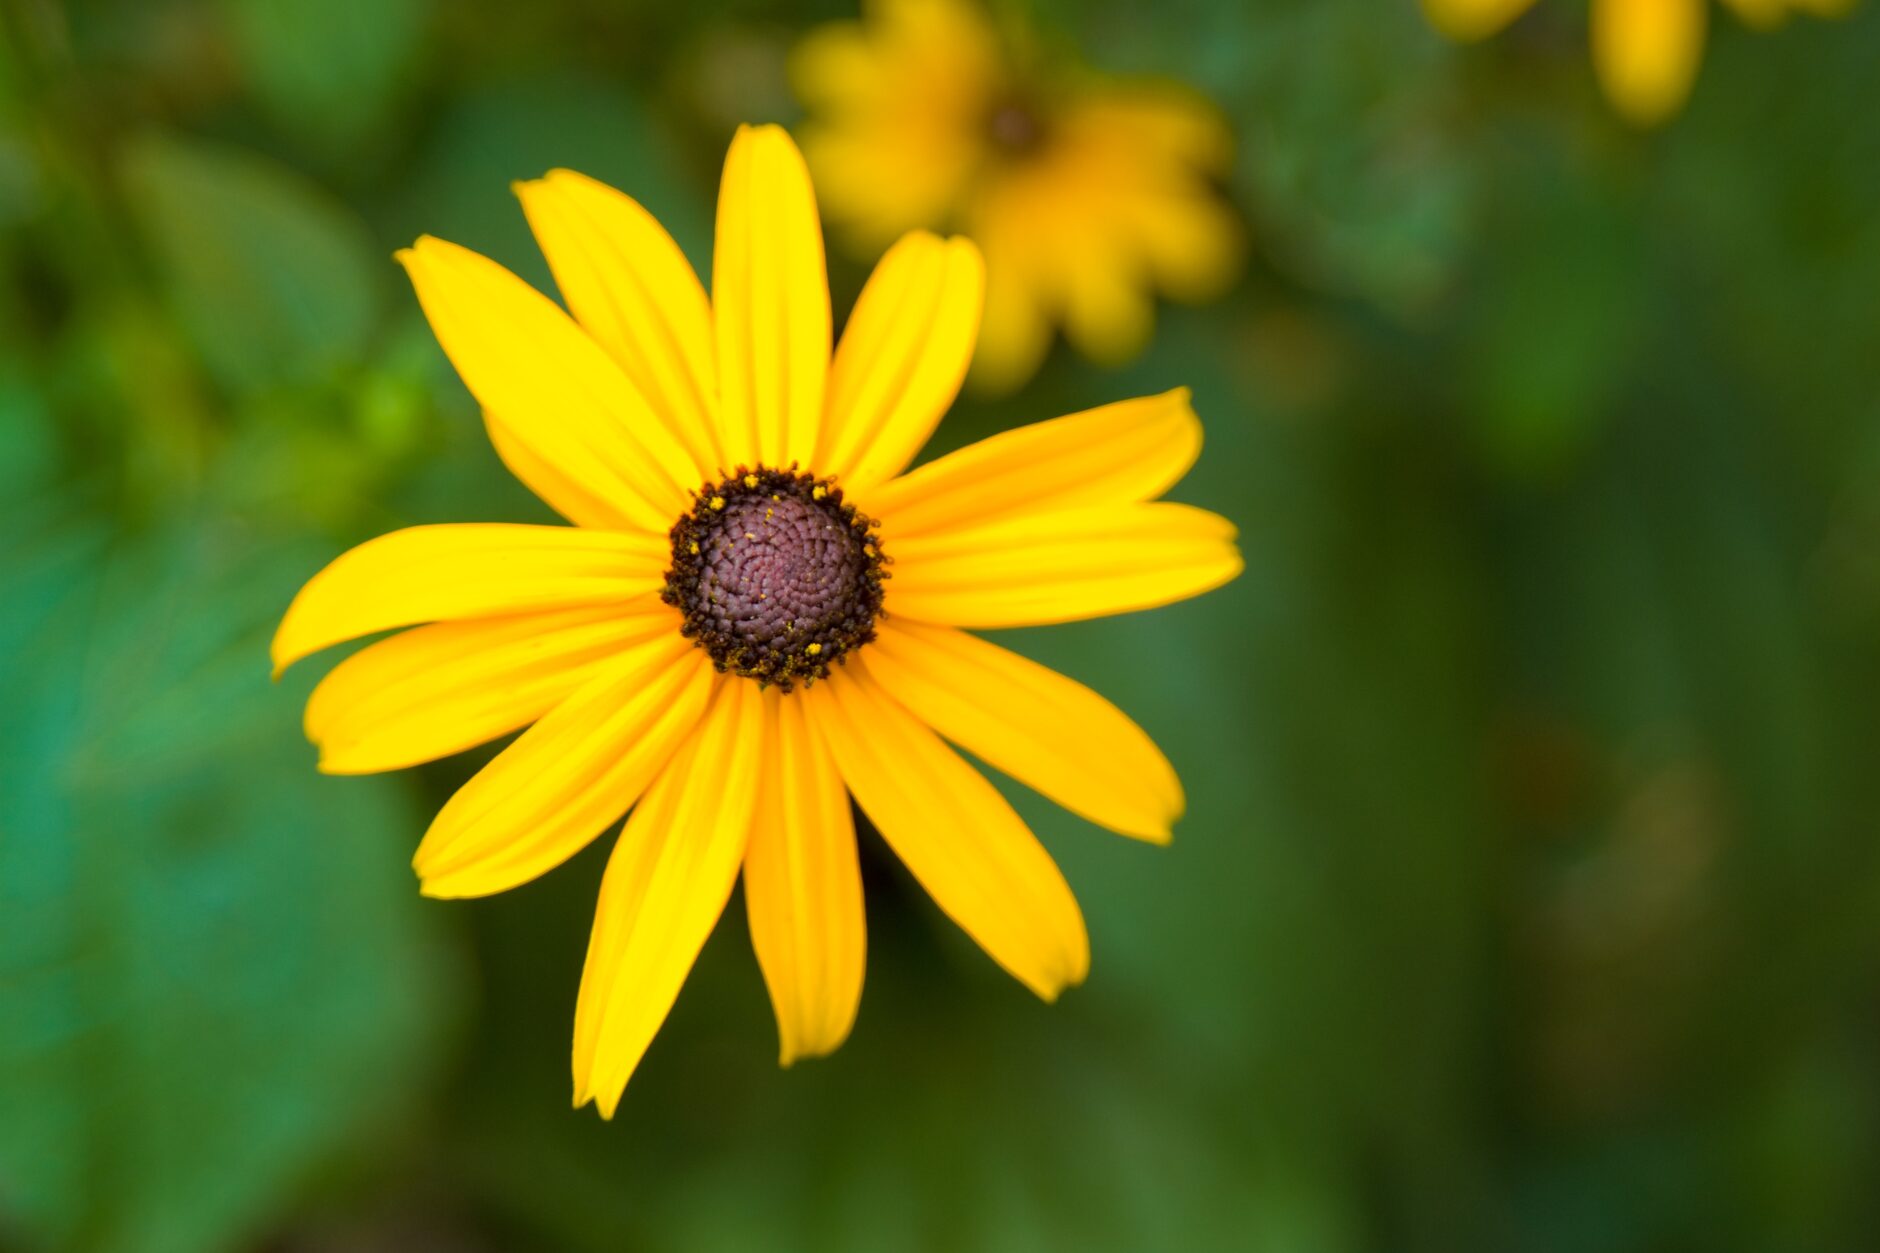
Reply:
x=777, y=575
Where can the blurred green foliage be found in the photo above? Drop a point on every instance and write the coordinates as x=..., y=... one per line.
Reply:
x=1529, y=896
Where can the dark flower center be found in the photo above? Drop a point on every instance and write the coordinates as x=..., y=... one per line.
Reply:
x=1016, y=126
x=778, y=577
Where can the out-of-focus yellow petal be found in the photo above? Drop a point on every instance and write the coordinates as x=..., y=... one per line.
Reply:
x=898, y=104
x=666, y=885
x=1063, y=238
x=553, y=388
x=1647, y=52
x=565, y=778
x=877, y=185
x=1049, y=732
x=436, y=690
x=931, y=56
x=467, y=570
x=1119, y=453
x=1473, y=19
x=770, y=302
x=1020, y=218
x=902, y=357
x=1108, y=310
x=1188, y=240
x=837, y=67
x=633, y=290
x=1161, y=125
x=958, y=836
x=1060, y=567
x=803, y=887
x=1015, y=334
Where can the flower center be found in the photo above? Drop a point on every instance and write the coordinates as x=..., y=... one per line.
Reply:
x=1015, y=126
x=777, y=576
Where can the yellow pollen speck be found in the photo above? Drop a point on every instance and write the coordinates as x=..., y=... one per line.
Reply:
x=693, y=548
x=868, y=550
x=750, y=480
x=750, y=535
x=717, y=502
x=818, y=493
x=813, y=649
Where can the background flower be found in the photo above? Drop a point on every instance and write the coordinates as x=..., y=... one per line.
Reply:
x=1646, y=52
x=1088, y=195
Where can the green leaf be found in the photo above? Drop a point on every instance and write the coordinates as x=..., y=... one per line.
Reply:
x=459, y=186
x=1556, y=325
x=1356, y=180
x=214, y=975
x=274, y=280
x=327, y=71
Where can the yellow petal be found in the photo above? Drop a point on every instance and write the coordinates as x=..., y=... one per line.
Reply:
x=902, y=357
x=1473, y=19
x=878, y=181
x=896, y=107
x=958, y=836
x=467, y=570
x=436, y=690
x=554, y=390
x=1057, y=237
x=1049, y=732
x=571, y=499
x=1647, y=53
x=919, y=57
x=836, y=68
x=666, y=884
x=803, y=888
x=1015, y=336
x=631, y=288
x=1161, y=125
x=1121, y=453
x=565, y=778
x=1108, y=314
x=1060, y=567
x=770, y=302
x=1017, y=217
x=1188, y=238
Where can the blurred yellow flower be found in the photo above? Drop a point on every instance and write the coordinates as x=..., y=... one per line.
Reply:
x=723, y=651
x=1645, y=52
x=1087, y=195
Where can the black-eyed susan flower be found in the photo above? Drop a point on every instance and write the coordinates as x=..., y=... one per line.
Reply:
x=1645, y=52
x=1087, y=195
x=758, y=612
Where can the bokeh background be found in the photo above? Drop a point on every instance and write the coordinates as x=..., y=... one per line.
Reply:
x=1529, y=897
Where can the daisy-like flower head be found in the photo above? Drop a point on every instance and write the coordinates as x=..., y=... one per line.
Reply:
x=756, y=614
x=1645, y=52
x=1087, y=195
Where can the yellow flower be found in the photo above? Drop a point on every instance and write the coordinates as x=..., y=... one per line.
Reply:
x=1645, y=52
x=1086, y=196
x=723, y=651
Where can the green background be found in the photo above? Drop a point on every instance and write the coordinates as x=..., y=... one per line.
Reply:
x=1529, y=895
